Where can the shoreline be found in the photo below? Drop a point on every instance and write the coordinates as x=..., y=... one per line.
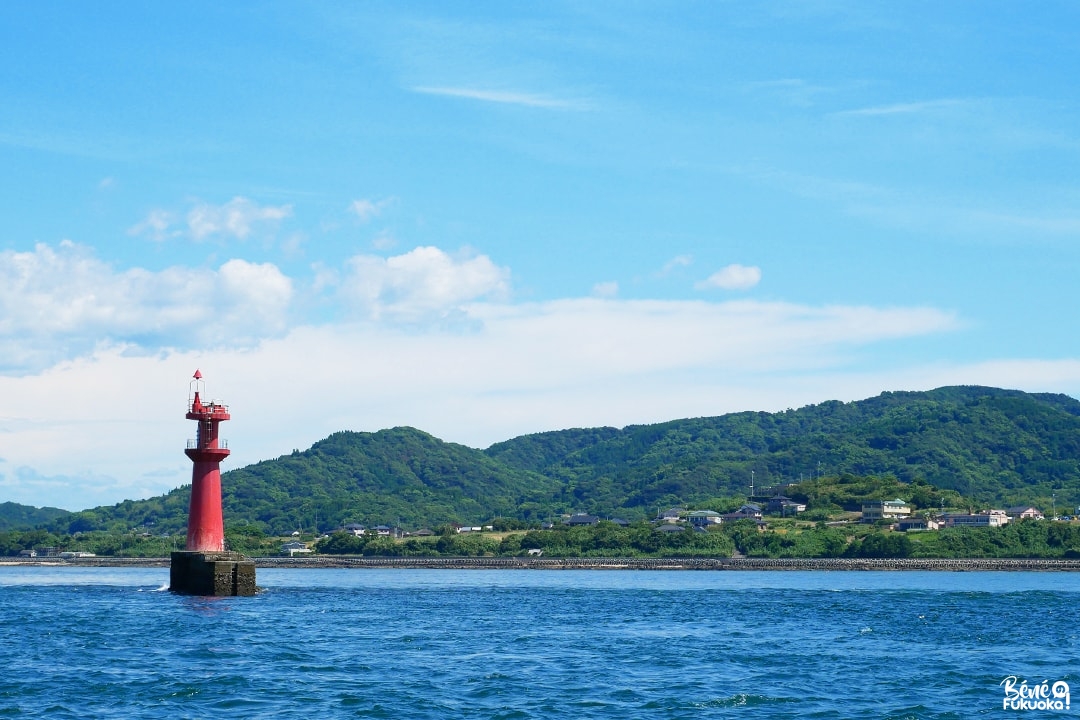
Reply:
x=516, y=563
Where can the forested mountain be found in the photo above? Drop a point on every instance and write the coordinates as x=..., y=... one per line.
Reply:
x=996, y=446
x=17, y=517
x=400, y=476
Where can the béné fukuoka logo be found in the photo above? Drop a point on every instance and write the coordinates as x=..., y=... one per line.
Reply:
x=1042, y=696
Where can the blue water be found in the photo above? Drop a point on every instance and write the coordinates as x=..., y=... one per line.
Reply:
x=101, y=642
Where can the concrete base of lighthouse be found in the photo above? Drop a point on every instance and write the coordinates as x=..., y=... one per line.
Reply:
x=211, y=573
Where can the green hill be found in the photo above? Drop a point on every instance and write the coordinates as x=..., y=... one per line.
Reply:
x=400, y=476
x=24, y=517
x=998, y=447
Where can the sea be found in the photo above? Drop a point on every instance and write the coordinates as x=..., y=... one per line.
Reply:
x=424, y=643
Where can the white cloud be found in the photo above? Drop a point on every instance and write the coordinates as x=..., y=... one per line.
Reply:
x=367, y=209
x=384, y=241
x=910, y=108
x=1041, y=225
x=890, y=208
x=425, y=282
x=732, y=277
x=253, y=296
x=500, y=96
x=235, y=218
x=62, y=302
x=293, y=246
x=676, y=262
x=521, y=368
x=794, y=91
x=605, y=289
x=156, y=225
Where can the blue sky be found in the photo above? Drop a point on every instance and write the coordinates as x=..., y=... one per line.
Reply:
x=489, y=219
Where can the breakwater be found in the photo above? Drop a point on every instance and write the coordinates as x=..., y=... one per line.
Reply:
x=508, y=563
x=542, y=563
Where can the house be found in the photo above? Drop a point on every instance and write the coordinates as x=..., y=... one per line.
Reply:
x=355, y=529
x=986, y=518
x=672, y=515
x=785, y=506
x=670, y=528
x=917, y=523
x=762, y=526
x=750, y=510
x=792, y=508
x=387, y=531
x=703, y=518
x=28, y=553
x=294, y=548
x=582, y=519
x=1024, y=512
x=875, y=510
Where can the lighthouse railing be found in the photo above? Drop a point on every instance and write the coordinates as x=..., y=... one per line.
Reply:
x=193, y=444
x=211, y=407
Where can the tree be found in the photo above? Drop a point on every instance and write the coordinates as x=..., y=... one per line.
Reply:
x=883, y=545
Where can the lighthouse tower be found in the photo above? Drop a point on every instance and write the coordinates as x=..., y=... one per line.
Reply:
x=204, y=568
x=206, y=530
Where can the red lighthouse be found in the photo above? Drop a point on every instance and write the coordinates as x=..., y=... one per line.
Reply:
x=204, y=568
x=206, y=530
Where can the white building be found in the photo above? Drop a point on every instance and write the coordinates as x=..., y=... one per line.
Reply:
x=986, y=518
x=885, y=510
x=703, y=518
x=294, y=548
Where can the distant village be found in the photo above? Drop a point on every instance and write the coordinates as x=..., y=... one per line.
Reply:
x=898, y=514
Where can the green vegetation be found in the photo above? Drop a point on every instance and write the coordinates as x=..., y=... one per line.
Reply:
x=1024, y=539
x=104, y=543
x=993, y=446
x=15, y=517
x=830, y=497
x=605, y=539
x=396, y=477
x=954, y=447
x=784, y=539
x=788, y=539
